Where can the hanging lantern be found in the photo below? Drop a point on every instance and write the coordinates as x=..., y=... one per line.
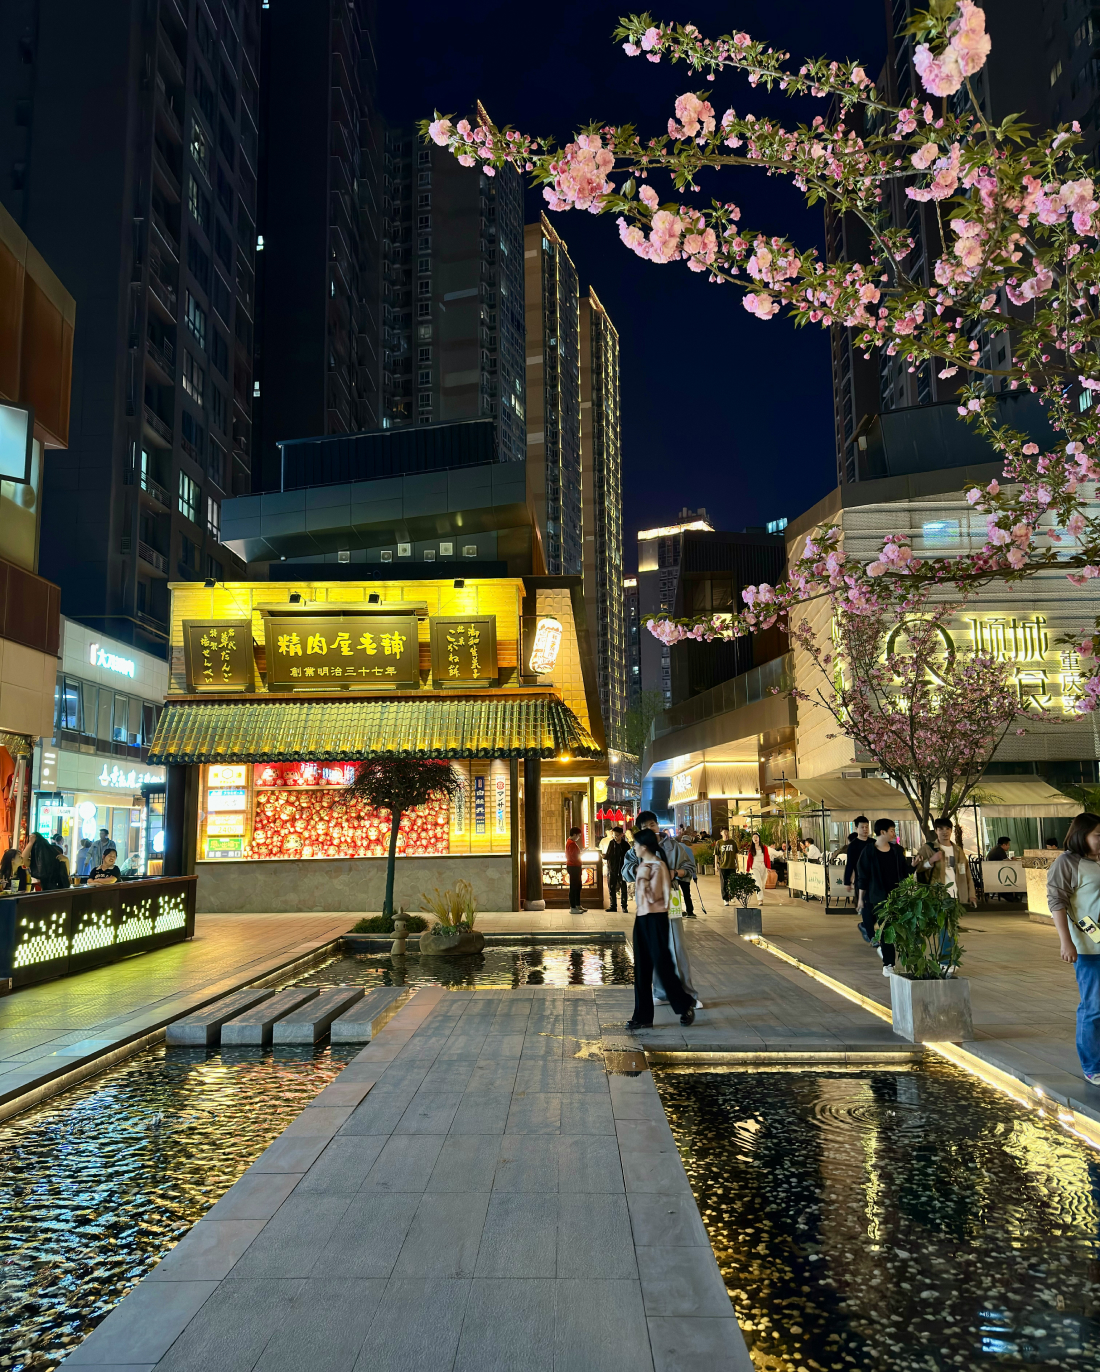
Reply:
x=600, y=814
x=546, y=645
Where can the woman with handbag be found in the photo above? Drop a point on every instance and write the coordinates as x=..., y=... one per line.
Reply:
x=652, y=893
x=1073, y=896
x=678, y=949
x=758, y=864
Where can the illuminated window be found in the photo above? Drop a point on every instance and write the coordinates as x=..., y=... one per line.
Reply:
x=189, y=498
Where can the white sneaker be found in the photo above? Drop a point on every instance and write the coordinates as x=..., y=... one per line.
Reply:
x=725, y=902
x=1094, y=1078
x=887, y=971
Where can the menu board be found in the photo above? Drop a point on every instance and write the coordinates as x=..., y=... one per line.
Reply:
x=464, y=650
x=218, y=655
x=341, y=652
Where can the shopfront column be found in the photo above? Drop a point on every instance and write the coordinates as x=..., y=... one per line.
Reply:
x=532, y=831
x=181, y=819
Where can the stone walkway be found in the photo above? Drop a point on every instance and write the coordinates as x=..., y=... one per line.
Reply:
x=51, y=1031
x=474, y=1192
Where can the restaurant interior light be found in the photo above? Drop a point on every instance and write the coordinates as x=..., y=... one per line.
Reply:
x=547, y=644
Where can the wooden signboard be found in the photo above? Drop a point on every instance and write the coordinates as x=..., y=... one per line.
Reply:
x=218, y=655
x=464, y=650
x=334, y=652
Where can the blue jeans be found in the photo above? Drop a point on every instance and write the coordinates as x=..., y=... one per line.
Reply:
x=1087, y=968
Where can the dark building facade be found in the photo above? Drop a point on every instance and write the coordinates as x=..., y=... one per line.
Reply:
x=130, y=159
x=317, y=339
x=1044, y=64
x=451, y=296
x=633, y=626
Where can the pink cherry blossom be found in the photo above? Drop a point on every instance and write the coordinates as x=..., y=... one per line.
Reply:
x=942, y=75
x=761, y=304
x=440, y=131
x=925, y=156
x=968, y=38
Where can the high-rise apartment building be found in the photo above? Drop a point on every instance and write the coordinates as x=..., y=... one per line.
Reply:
x=1044, y=63
x=658, y=577
x=633, y=622
x=317, y=334
x=451, y=293
x=131, y=164
x=602, y=496
x=554, y=397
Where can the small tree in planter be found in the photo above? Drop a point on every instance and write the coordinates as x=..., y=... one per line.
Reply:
x=456, y=913
x=398, y=784
x=742, y=888
x=922, y=922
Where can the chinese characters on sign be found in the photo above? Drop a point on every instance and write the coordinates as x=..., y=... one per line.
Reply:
x=342, y=651
x=218, y=654
x=479, y=805
x=500, y=793
x=464, y=650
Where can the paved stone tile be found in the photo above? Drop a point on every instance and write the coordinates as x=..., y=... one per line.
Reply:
x=659, y=1172
x=290, y=1155
x=367, y=1239
x=322, y=1327
x=505, y=1045
x=683, y=1282
x=589, y=1162
x=535, y=1113
x=586, y=1112
x=341, y=1093
x=144, y=1326
x=323, y=1122
x=520, y=1236
x=538, y=1074
x=293, y=1239
x=466, y=1163
x=429, y=1113
x=482, y=1112
x=594, y=1236
x=581, y=1075
x=450, y=1076
x=406, y=1341
x=255, y=1197
x=404, y=1163
x=669, y=1220
x=379, y=1113
x=600, y=1327
x=528, y=1163
x=342, y=1167
x=237, y=1322
x=493, y=1075
x=207, y=1251
x=687, y=1345
x=444, y=1237
x=645, y=1136
x=509, y=1327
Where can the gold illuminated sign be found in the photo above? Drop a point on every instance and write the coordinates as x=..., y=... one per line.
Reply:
x=218, y=655
x=464, y=650
x=342, y=652
x=546, y=646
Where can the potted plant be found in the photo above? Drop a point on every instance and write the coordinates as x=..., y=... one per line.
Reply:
x=927, y=999
x=742, y=888
x=456, y=913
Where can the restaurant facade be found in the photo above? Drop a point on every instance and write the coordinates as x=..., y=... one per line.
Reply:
x=278, y=689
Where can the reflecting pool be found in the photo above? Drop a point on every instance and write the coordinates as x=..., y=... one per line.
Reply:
x=583, y=964
x=892, y=1220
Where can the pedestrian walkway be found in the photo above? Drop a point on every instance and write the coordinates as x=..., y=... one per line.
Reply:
x=474, y=1193
x=52, y=1033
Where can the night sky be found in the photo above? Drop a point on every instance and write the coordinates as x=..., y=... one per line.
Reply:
x=719, y=409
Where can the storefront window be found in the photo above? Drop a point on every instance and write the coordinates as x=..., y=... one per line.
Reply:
x=122, y=717
x=90, y=693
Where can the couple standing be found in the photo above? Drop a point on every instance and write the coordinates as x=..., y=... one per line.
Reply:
x=660, y=958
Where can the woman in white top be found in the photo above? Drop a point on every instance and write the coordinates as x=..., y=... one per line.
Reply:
x=1073, y=895
x=652, y=891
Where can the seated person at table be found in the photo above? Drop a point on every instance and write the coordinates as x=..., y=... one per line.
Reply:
x=106, y=872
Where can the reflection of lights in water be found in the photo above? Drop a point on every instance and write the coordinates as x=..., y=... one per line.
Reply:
x=894, y=1220
x=592, y=964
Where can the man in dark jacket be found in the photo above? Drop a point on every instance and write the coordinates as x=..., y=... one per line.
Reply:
x=857, y=841
x=614, y=858
x=882, y=865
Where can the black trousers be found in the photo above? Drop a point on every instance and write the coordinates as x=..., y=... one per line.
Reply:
x=888, y=951
x=727, y=875
x=616, y=887
x=685, y=886
x=651, y=951
x=574, y=886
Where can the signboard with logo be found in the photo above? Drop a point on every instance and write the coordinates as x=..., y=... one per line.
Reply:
x=340, y=652
x=464, y=650
x=218, y=655
x=1004, y=878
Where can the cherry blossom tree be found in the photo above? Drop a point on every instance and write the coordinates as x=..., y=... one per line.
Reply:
x=1017, y=223
x=930, y=714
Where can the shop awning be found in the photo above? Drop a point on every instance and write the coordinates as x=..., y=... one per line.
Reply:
x=353, y=730
x=1023, y=798
x=855, y=794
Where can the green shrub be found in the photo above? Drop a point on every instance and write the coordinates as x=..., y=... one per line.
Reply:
x=383, y=924
x=453, y=909
x=741, y=887
x=922, y=922
x=704, y=854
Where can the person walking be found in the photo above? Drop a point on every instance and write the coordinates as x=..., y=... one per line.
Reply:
x=681, y=861
x=857, y=841
x=725, y=859
x=758, y=864
x=84, y=863
x=652, y=890
x=614, y=857
x=882, y=866
x=573, y=871
x=1073, y=897
x=943, y=860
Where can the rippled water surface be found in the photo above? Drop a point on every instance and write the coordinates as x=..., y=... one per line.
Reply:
x=591, y=964
x=894, y=1220
x=98, y=1184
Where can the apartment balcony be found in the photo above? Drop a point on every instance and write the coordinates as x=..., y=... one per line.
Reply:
x=167, y=110
x=156, y=560
x=163, y=295
x=165, y=238
x=191, y=451
x=166, y=55
x=161, y=365
x=155, y=491
x=169, y=182
x=157, y=428
x=150, y=622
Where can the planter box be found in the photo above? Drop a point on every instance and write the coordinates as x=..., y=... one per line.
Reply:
x=436, y=945
x=749, y=921
x=931, y=1010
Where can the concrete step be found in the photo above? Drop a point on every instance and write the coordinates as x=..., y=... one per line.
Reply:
x=255, y=1026
x=203, y=1027
x=309, y=1023
x=367, y=1016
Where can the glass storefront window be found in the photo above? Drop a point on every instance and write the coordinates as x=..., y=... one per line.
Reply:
x=90, y=693
x=69, y=704
x=133, y=728
x=122, y=716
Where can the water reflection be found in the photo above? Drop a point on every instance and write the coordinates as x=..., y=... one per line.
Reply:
x=96, y=1186
x=596, y=964
x=896, y=1220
